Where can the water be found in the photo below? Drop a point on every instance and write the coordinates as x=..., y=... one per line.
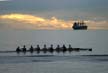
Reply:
x=74, y=62
x=54, y=64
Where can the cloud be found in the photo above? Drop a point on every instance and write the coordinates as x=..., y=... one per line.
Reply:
x=27, y=21
x=93, y=24
x=5, y=0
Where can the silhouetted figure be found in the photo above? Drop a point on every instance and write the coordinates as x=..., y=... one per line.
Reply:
x=70, y=48
x=24, y=49
x=45, y=48
x=58, y=48
x=31, y=49
x=64, y=49
x=51, y=49
x=18, y=50
x=38, y=49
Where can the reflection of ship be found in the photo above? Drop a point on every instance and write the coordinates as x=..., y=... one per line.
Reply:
x=79, y=26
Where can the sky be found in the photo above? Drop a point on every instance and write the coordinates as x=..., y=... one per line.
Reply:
x=52, y=14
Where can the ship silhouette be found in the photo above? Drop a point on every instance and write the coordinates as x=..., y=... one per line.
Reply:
x=79, y=26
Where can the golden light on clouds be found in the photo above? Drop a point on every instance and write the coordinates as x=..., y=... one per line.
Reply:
x=37, y=22
x=27, y=21
x=22, y=17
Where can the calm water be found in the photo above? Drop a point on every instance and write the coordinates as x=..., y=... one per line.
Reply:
x=74, y=62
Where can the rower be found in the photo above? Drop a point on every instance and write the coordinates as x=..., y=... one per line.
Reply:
x=31, y=49
x=44, y=49
x=37, y=48
x=24, y=49
x=64, y=48
x=18, y=50
x=51, y=49
x=58, y=48
x=70, y=48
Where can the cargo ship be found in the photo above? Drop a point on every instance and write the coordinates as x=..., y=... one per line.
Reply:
x=79, y=26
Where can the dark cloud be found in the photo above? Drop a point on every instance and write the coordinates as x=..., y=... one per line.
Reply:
x=63, y=9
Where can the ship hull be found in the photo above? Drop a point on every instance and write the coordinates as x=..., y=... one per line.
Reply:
x=80, y=28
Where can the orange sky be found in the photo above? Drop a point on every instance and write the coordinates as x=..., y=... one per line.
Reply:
x=27, y=21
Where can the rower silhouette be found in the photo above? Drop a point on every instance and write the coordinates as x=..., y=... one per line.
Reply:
x=51, y=49
x=18, y=50
x=44, y=49
x=58, y=48
x=31, y=49
x=24, y=49
x=64, y=49
x=38, y=49
x=70, y=49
